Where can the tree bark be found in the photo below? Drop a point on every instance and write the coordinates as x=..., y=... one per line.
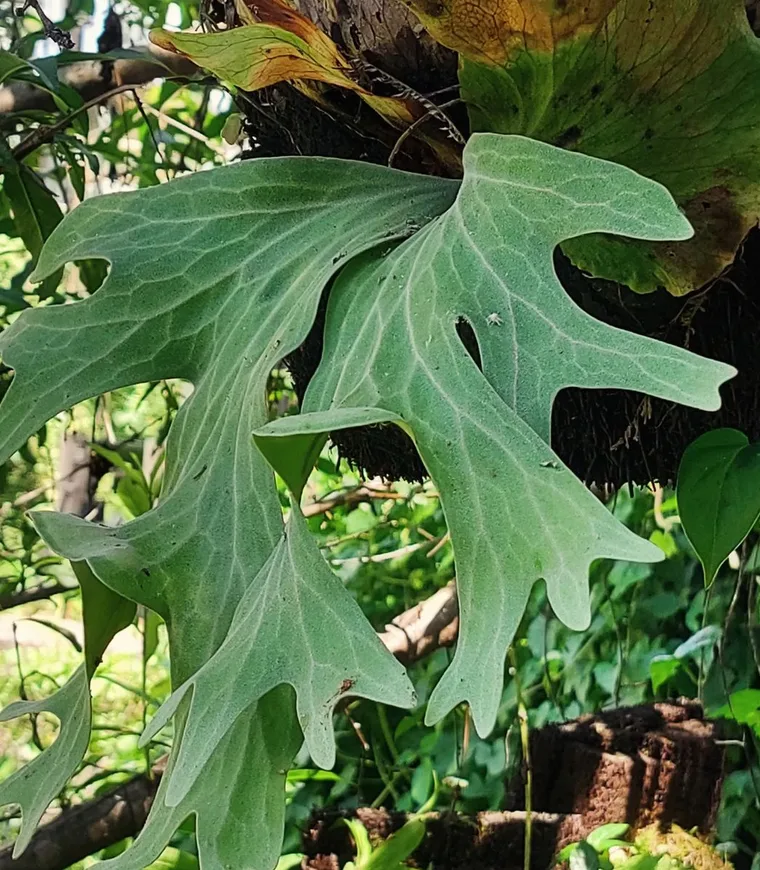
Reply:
x=37, y=593
x=431, y=624
x=84, y=829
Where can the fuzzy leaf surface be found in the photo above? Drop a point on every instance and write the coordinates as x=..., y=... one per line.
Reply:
x=214, y=279
x=516, y=514
x=331, y=652
x=249, y=764
x=662, y=86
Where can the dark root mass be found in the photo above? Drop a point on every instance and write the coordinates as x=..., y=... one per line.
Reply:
x=608, y=437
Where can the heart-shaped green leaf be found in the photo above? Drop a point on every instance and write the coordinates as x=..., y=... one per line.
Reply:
x=718, y=495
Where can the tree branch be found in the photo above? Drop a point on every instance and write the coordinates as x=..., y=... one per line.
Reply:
x=348, y=498
x=45, y=133
x=37, y=593
x=92, y=79
x=424, y=628
x=81, y=830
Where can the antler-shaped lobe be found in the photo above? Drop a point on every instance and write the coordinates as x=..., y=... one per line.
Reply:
x=515, y=513
x=213, y=278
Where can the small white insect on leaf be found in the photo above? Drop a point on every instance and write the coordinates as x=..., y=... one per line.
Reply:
x=494, y=319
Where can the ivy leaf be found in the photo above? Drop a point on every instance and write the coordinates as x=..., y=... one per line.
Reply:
x=515, y=512
x=33, y=787
x=214, y=278
x=658, y=85
x=718, y=495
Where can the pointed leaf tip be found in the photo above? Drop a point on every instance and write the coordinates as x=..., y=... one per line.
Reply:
x=718, y=493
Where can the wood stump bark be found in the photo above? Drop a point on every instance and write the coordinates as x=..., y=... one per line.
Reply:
x=641, y=765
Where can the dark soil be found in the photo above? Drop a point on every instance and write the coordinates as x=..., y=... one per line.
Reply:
x=638, y=765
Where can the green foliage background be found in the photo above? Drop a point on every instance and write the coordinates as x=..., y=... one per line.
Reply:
x=655, y=631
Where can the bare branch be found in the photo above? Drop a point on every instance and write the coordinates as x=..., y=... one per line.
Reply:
x=44, y=133
x=421, y=630
x=84, y=829
x=92, y=79
x=350, y=497
x=37, y=593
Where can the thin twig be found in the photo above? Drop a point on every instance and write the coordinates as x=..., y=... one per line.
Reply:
x=45, y=133
x=409, y=92
x=26, y=497
x=22, y=691
x=348, y=498
x=550, y=687
x=51, y=30
x=440, y=545
x=417, y=124
x=383, y=557
x=184, y=128
x=38, y=593
x=144, y=116
x=621, y=659
x=522, y=716
x=661, y=521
